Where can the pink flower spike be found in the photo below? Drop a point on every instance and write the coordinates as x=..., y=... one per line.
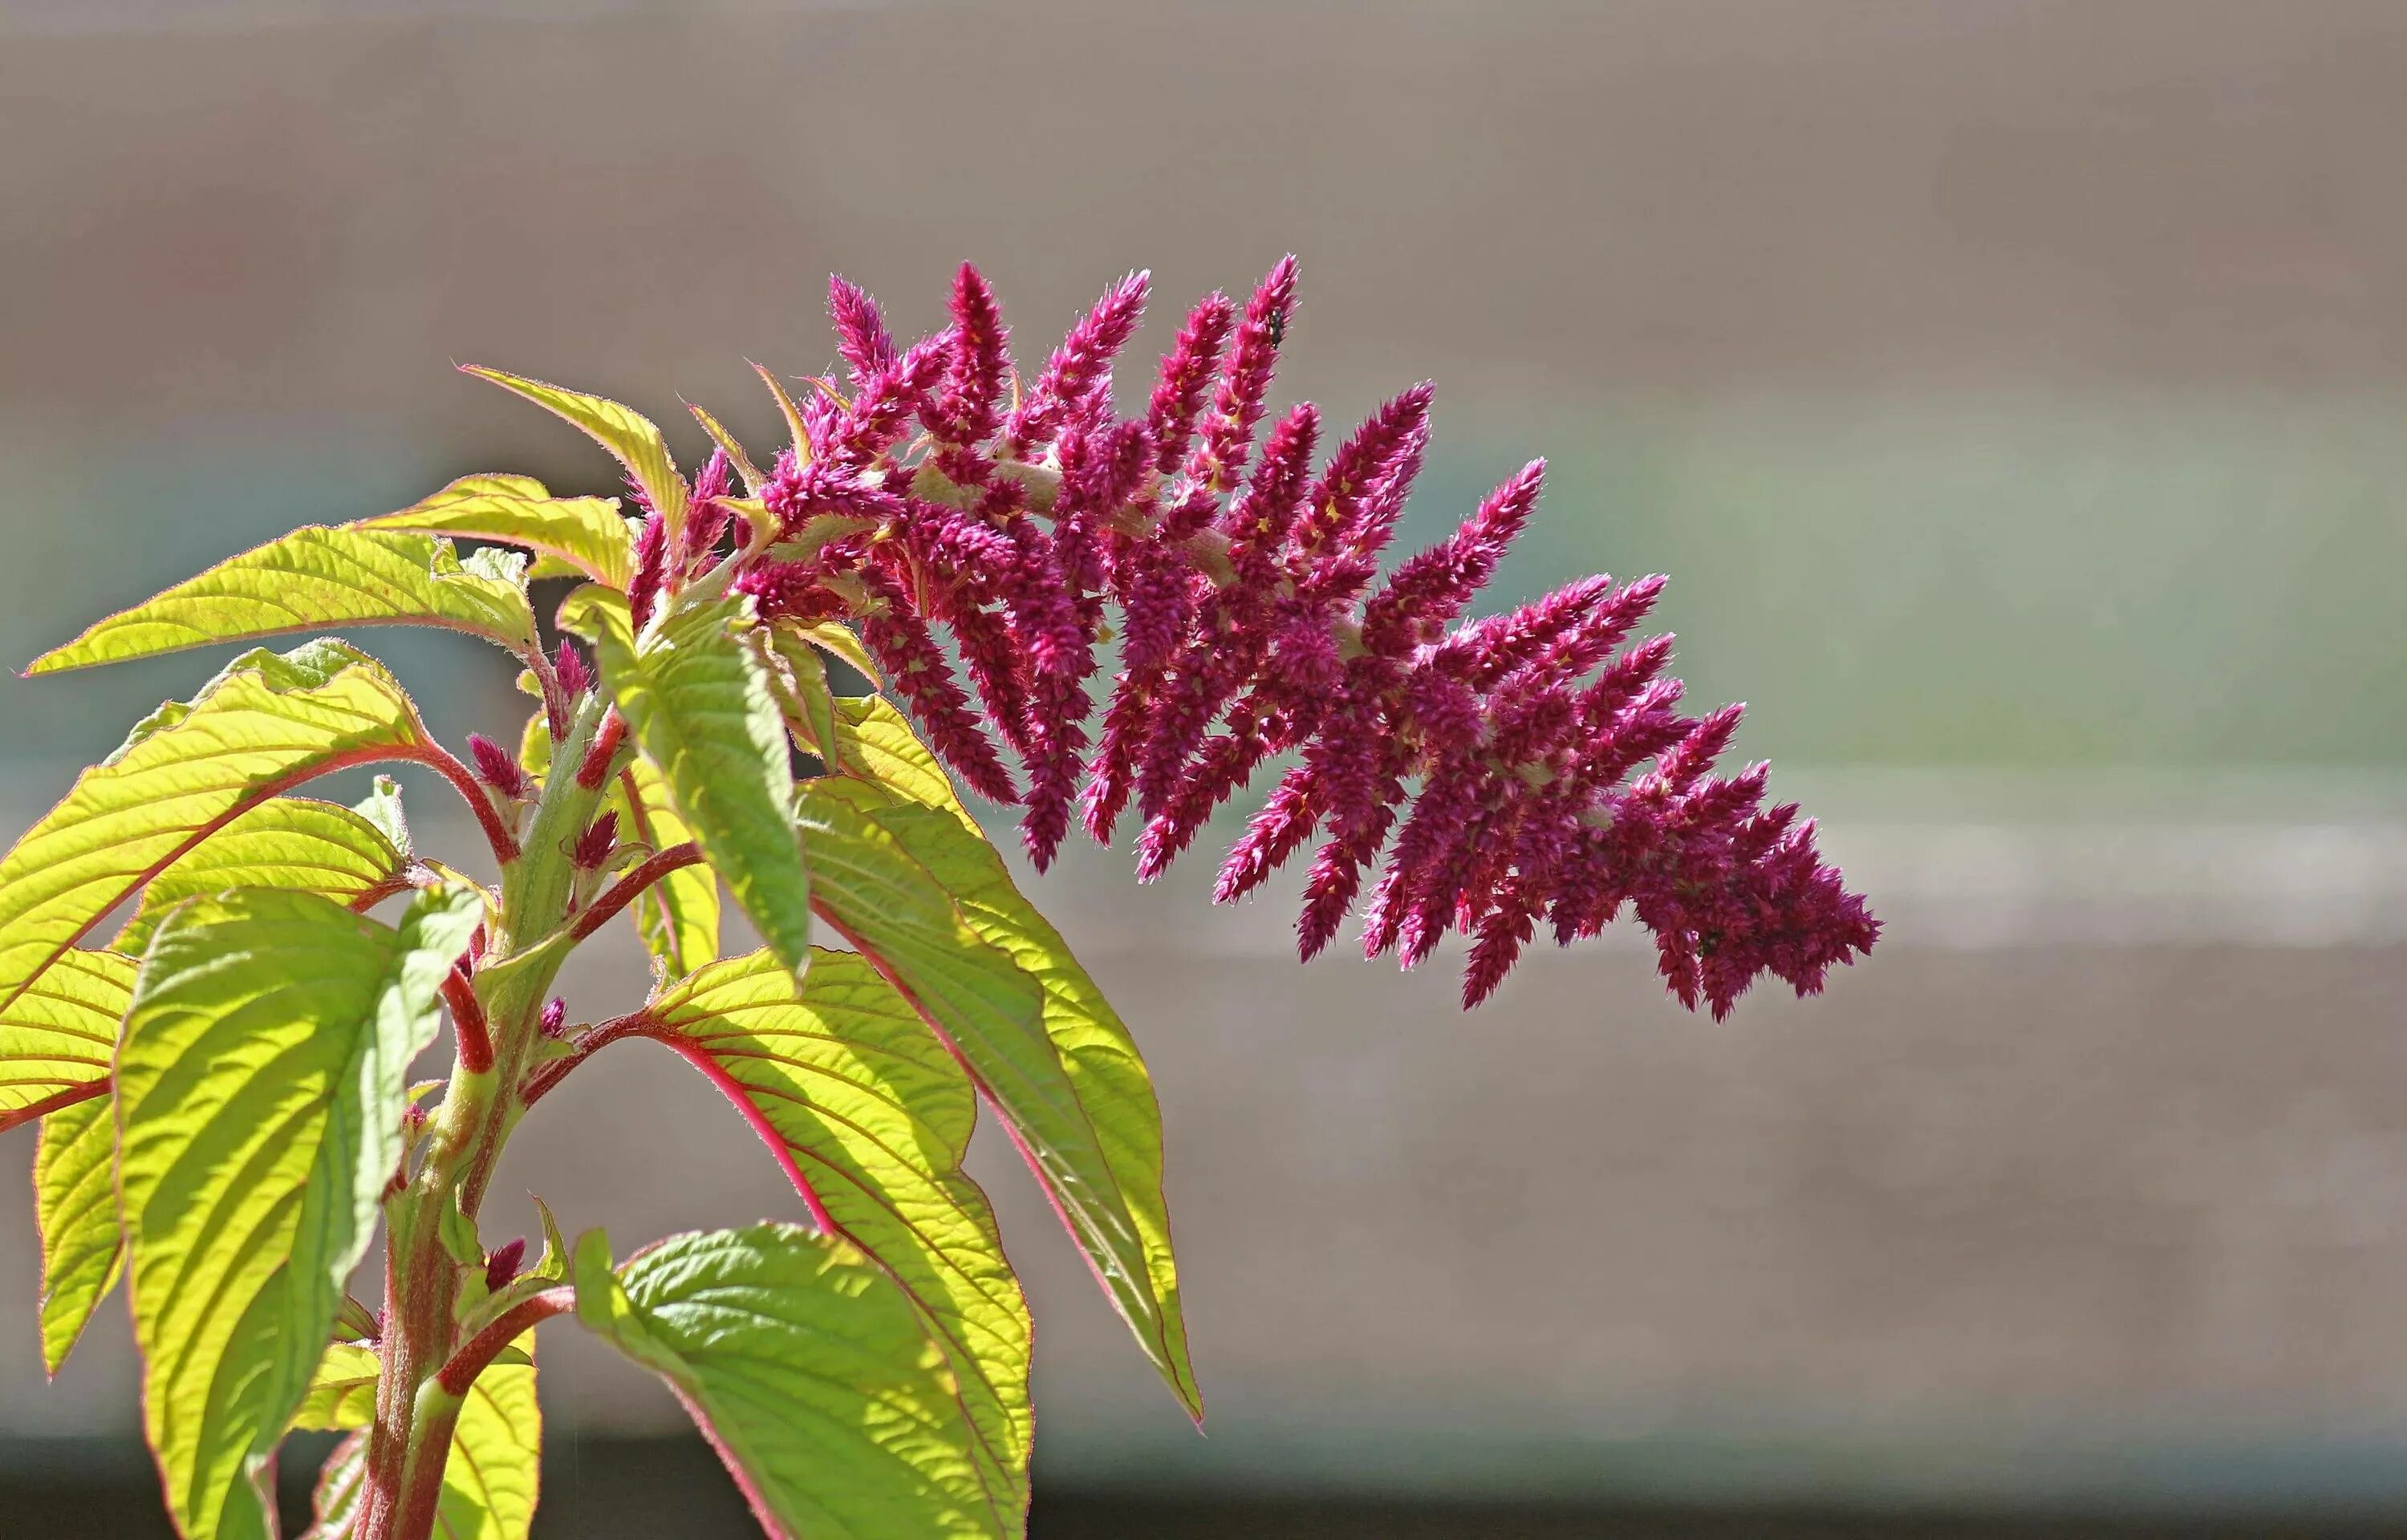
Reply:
x=965, y=411
x=1245, y=383
x=652, y=568
x=1335, y=501
x=1081, y=367
x=1186, y=375
x=861, y=332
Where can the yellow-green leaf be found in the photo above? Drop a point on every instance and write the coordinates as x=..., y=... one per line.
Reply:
x=810, y=1373
x=625, y=432
x=703, y=711
x=316, y=579
x=60, y=1034
x=260, y=1091
x=993, y=1013
x=270, y=721
x=294, y=842
x=1098, y=1054
x=874, y=741
x=586, y=534
x=679, y=915
x=491, y=1479
x=494, y=1472
x=74, y=1206
x=1101, y=1059
x=869, y=1117
x=753, y=480
x=342, y=1391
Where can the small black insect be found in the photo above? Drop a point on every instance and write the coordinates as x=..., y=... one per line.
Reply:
x=1278, y=327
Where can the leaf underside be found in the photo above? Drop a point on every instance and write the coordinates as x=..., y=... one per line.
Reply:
x=587, y=534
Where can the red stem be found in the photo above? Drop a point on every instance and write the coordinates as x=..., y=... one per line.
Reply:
x=52, y=1102
x=622, y=892
x=461, y=1372
x=442, y=761
x=468, y=1023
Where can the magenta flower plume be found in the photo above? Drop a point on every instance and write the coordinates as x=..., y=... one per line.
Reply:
x=1485, y=777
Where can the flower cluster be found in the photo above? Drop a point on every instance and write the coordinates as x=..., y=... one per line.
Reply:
x=1517, y=769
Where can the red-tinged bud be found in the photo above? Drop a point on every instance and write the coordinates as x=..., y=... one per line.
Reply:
x=707, y=518
x=861, y=332
x=652, y=569
x=502, y=1264
x=595, y=846
x=476, y=946
x=553, y=1023
x=575, y=676
x=498, y=769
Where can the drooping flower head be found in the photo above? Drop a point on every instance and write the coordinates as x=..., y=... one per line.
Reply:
x=1484, y=776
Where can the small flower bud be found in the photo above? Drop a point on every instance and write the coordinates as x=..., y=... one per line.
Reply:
x=498, y=769
x=502, y=1264
x=594, y=847
x=554, y=1019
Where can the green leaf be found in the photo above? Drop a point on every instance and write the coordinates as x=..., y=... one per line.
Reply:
x=586, y=534
x=809, y=1372
x=753, y=480
x=801, y=682
x=260, y=1088
x=342, y=1391
x=875, y=743
x=494, y=1474
x=62, y=1034
x=869, y=1117
x=340, y=1500
x=290, y=843
x=702, y=711
x=268, y=722
x=491, y=1477
x=382, y=808
x=626, y=433
x=991, y=1013
x=311, y=580
x=679, y=915
x=1098, y=1054
x=74, y=1206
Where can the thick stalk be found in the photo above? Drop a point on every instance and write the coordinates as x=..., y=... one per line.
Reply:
x=411, y=1439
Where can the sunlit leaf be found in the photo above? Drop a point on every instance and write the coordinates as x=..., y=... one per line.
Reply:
x=260, y=1088
x=494, y=1474
x=874, y=741
x=811, y=1373
x=60, y=1034
x=586, y=534
x=702, y=709
x=291, y=843
x=342, y=1391
x=314, y=579
x=869, y=1116
x=677, y=916
x=74, y=1206
x=753, y=480
x=268, y=722
x=625, y=432
x=1098, y=1056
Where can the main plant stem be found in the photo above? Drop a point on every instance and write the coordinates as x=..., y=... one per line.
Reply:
x=410, y=1441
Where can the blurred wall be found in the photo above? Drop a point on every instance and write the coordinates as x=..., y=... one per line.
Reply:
x=2011, y=390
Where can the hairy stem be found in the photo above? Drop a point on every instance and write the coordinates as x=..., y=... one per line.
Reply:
x=619, y=895
x=495, y=1018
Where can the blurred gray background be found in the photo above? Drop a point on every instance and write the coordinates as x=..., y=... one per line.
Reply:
x=2012, y=391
